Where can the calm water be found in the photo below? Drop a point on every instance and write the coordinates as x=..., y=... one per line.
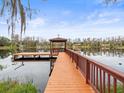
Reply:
x=35, y=72
x=113, y=58
x=38, y=72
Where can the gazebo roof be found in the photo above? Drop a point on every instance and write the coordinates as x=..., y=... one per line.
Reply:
x=58, y=39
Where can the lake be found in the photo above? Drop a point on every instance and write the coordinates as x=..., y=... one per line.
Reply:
x=112, y=58
x=35, y=72
x=38, y=72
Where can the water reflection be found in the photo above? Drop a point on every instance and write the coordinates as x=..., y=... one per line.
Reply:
x=4, y=54
x=35, y=72
x=112, y=58
x=95, y=52
x=38, y=72
x=32, y=50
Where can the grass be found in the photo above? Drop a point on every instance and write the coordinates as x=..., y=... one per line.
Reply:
x=120, y=89
x=15, y=87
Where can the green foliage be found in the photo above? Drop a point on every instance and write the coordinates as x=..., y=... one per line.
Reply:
x=120, y=88
x=4, y=41
x=7, y=44
x=99, y=43
x=15, y=87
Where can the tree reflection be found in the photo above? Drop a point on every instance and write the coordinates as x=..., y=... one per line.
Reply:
x=96, y=52
x=4, y=54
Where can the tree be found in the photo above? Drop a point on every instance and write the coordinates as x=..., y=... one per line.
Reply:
x=16, y=12
x=4, y=41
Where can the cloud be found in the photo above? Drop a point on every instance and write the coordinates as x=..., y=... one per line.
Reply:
x=104, y=17
x=66, y=12
x=3, y=23
x=106, y=21
x=92, y=15
x=37, y=22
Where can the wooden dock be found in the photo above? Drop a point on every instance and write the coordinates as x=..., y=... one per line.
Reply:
x=32, y=55
x=65, y=78
x=74, y=73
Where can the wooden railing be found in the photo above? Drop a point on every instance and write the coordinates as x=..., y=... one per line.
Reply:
x=56, y=51
x=102, y=78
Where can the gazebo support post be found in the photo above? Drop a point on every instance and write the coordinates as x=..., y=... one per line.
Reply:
x=55, y=40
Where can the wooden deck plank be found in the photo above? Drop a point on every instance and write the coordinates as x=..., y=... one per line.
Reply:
x=31, y=53
x=65, y=78
x=25, y=55
x=35, y=54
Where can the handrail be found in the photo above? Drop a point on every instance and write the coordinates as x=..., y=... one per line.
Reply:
x=100, y=76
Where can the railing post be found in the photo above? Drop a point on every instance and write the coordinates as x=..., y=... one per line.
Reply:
x=109, y=83
x=115, y=85
x=72, y=57
x=87, y=72
x=97, y=75
x=77, y=60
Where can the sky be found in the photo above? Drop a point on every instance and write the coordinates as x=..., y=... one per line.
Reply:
x=73, y=19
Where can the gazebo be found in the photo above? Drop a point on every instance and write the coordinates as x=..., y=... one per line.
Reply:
x=61, y=42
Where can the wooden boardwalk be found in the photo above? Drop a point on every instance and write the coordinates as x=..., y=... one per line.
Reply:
x=65, y=78
x=34, y=55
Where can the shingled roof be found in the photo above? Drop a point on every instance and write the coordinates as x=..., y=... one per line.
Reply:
x=58, y=39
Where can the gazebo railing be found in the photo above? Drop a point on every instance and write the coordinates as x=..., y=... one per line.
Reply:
x=102, y=78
